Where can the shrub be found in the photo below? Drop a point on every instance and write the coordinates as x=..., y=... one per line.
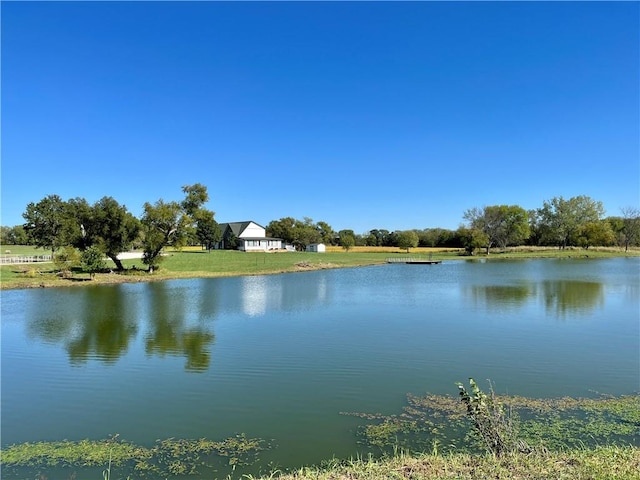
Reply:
x=66, y=258
x=493, y=425
x=93, y=261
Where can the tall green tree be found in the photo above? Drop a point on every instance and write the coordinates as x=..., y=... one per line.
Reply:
x=79, y=219
x=15, y=235
x=305, y=233
x=106, y=225
x=436, y=237
x=595, y=233
x=300, y=233
x=163, y=224
x=382, y=237
x=170, y=223
x=561, y=220
x=47, y=223
x=617, y=225
x=370, y=240
x=114, y=228
x=283, y=228
x=391, y=240
x=631, y=226
x=327, y=235
x=346, y=239
x=207, y=229
x=515, y=226
x=502, y=225
x=471, y=239
x=428, y=237
x=347, y=243
x=196, y=196
x=407, y=239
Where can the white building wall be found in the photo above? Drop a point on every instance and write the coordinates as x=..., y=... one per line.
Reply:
x=253, y=230
x=316, y=247
x=260, y=245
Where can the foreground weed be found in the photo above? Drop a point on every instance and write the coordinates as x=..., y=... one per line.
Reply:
x=491, y=422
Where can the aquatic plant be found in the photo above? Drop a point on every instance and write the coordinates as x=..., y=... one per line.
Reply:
x=536, y=423
x=168, y=457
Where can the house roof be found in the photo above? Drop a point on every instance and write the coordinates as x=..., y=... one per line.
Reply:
x=238, y=227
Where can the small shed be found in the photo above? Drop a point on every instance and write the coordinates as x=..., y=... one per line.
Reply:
x=316, y=247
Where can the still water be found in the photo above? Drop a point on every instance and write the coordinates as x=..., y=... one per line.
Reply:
x=279, y=357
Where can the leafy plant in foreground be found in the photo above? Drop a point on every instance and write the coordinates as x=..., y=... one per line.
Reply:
x=490, y=420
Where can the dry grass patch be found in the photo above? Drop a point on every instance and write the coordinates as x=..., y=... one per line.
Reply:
x=416, y=250
x=305, y=265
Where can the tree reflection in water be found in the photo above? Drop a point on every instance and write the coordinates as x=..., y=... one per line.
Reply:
x=168, y=333
x=106, y=330
x=105, y=322
x=559, y=297
x=501, y=296
x=571, y=296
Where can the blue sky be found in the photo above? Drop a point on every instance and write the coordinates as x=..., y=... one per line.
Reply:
x=390, y=115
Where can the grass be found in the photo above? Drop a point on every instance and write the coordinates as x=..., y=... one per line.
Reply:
x=193, y=262
x=190, y=263
x=168, y=460
x=602, y=463
x=13, y=250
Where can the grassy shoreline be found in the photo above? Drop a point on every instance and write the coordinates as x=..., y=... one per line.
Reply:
x=601, y=463
x=195, y=263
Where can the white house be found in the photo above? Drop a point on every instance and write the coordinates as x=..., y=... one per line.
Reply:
x=316, y=247
x=248, y=236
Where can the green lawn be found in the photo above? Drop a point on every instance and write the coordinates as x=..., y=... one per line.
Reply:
x=13, y=250
x=228, y=262
x=194, y=262
x=188, y=264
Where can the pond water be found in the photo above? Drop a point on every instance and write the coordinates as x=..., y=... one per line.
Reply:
x=280, y=357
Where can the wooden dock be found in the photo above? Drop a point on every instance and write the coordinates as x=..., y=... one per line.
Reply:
x=414, y=261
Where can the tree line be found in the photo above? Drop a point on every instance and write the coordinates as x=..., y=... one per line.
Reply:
x=108, y=228
x=577, y=221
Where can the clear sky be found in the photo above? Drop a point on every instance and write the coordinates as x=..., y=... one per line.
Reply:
x=365, y=115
